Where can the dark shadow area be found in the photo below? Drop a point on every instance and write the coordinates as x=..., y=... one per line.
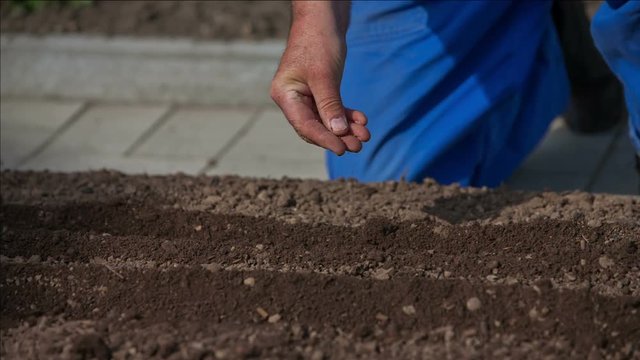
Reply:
x=597, y=100
x=468, y=207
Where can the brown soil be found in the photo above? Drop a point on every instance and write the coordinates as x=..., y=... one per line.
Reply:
x=195, y=19
x=103, y=265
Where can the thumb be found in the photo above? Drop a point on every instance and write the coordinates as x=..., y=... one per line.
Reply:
x=326, y=94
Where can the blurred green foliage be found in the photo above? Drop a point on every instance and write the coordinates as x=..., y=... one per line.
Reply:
x=33, y=5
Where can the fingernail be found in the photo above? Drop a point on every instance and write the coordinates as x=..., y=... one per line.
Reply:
x=338, y=123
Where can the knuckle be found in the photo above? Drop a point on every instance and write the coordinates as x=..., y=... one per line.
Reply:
x=275, y=91
x=329, y=104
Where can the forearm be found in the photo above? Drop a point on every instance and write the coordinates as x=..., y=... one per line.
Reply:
x=323, y=18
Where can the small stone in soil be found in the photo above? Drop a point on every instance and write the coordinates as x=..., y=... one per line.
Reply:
x=285, y=200
x=494, y=264
x=409, y=310
x=570, y=276
x=262, y=312
x=317, y=355
x=605, y=262
x=250, y=281
x=211, y=199
x=473, y=304
x=213, y=267
x=544, y=311
x=594, y=223
x=263, y=196
x=382, y=274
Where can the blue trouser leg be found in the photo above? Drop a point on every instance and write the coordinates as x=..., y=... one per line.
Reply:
x=458, y=91
x=616, y=31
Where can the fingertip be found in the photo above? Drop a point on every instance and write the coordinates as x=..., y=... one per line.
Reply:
x=338, y=148
x=358, y=117
x=366, y=137
x=360, y=132
x=357, y=148
x=352, y=143
x=339, y=151
x=361, y=118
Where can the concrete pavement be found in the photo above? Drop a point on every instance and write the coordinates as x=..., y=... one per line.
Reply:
x=67, y=135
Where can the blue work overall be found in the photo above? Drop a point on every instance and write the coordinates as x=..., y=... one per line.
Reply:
x=616, y=31
x=460, y=91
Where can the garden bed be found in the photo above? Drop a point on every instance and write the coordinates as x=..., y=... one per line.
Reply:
x=100, y=265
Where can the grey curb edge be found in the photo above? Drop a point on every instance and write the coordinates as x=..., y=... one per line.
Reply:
x=180, y=71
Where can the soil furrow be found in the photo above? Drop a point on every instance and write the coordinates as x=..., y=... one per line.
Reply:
x=575, y=254
x=151, y=297
x=598, y=285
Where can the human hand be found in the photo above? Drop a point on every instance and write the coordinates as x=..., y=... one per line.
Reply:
x=306, y=86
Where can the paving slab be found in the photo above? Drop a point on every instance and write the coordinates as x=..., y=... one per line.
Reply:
x=27, y=124
x=273, y=168
x=272, y=149
x=107, y=129
x=563, y=160
x=562, y=151
x=618, y=174
x=540, y=180
x=195, y=133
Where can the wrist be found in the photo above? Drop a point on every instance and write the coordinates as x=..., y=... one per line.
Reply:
x=329, y=18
